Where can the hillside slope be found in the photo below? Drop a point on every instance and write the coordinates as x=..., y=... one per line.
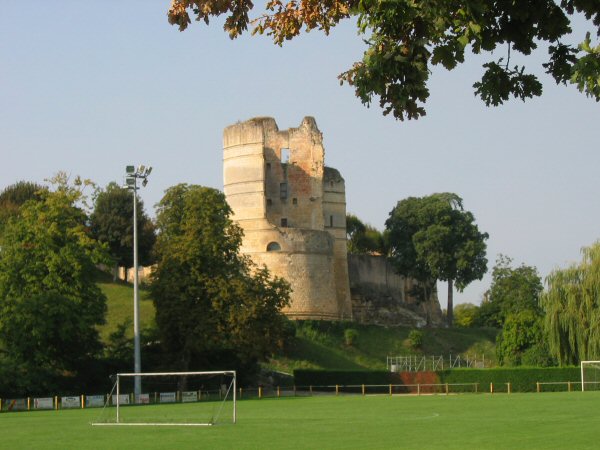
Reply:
x=322, y=344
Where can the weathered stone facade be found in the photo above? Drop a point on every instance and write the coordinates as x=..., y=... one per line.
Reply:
x=382, y=296
x=292, y=210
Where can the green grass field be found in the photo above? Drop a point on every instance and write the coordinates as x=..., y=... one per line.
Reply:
x=478, y=421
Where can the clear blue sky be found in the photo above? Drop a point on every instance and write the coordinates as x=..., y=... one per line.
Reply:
x=89, y=87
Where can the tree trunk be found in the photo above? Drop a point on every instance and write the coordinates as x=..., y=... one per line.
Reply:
x=449, y=311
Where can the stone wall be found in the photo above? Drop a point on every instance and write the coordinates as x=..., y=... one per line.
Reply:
x=381, y=296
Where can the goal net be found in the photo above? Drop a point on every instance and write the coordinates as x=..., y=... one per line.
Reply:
x=590, y=375
x=172, y=398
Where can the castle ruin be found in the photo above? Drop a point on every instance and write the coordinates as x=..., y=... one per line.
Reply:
x=292, y=210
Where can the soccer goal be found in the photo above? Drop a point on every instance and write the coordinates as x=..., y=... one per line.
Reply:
x=172, y=398
x=590, y=375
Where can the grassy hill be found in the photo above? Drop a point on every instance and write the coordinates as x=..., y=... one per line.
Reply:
x=319, y=344
x=120, y=305
x=322, y=345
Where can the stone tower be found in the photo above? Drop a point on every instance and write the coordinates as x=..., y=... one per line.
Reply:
x=292, y=210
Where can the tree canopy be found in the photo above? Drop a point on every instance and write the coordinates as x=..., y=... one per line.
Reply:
x=112, y=222
x=433, y=237
x=49, y=301
x=571, y=304
x=405, y=39
x=364, y=238
x=15, y=195
x=513, y=289
x=210, y=301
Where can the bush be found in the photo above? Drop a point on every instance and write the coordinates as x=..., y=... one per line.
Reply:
x=415, y=339
x=350, y=336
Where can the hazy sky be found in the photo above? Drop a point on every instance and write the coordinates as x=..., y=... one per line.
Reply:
x=90, y=87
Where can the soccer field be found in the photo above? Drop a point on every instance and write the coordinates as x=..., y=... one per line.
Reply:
x=481, y=421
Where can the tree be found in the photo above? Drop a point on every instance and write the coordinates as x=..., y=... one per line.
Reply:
x=405, y=38
x=15, y=195
x=513, y=289
x=112, y=223
x=50, y=304
x=363, y=238
x=522, y=340
x=434, y=238
x=571, y=304
x=465, y=315
x=210, y=301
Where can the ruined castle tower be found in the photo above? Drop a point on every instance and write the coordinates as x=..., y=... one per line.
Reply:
x=292, y=210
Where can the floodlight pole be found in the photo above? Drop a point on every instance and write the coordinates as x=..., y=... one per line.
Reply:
x=132, y=178
x=137, y=359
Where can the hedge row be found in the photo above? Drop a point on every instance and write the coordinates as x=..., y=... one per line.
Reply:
x=521, y=379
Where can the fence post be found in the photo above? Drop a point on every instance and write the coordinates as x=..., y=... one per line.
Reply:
x=446, y=388
x=569, y=385
x=278, y=392
x=310, y=389
x=56, y=402
x=240, y=393
x=491, y=387
x=294, y=390
x=390, y=389
x=419, y=389
x=259, y=392
x=82, y=401
x=537, y=386
x=363, y=390
x=337, y=389
x=476, y=387
x=508, y=387
x=28, y=403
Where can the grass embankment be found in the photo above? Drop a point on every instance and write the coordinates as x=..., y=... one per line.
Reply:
x=120, y=305
x=478, y=421
x=322, y=345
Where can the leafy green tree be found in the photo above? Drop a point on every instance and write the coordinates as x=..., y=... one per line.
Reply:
x=50, y=304
x=363, y=238
x=15, y=195
x=406, y=38
x=434, y=238
x=112, y=223
x=522, y=340
x=465, y=315
x=210, y=301
x=571, y=304
x=513, y=289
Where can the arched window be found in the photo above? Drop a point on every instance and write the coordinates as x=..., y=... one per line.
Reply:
x=273, y=247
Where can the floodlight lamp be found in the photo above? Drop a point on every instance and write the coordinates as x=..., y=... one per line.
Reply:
x=145, y=182
x=130, y=182
x=130, y=169
x=148, y=170
x=141, y=169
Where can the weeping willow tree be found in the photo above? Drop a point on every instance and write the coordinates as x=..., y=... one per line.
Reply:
x=572, y=306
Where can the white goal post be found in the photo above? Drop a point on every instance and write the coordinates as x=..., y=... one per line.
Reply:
x=223, y=385
x=590, y=375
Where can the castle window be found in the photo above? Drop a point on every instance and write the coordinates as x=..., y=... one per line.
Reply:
x=268, y=166
x=331, y=183
x=284, y=222
x=273, y=247
x=283, y=193
x=295, y=201
x=269, y=202
x=285, y=155
x=331, y=221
